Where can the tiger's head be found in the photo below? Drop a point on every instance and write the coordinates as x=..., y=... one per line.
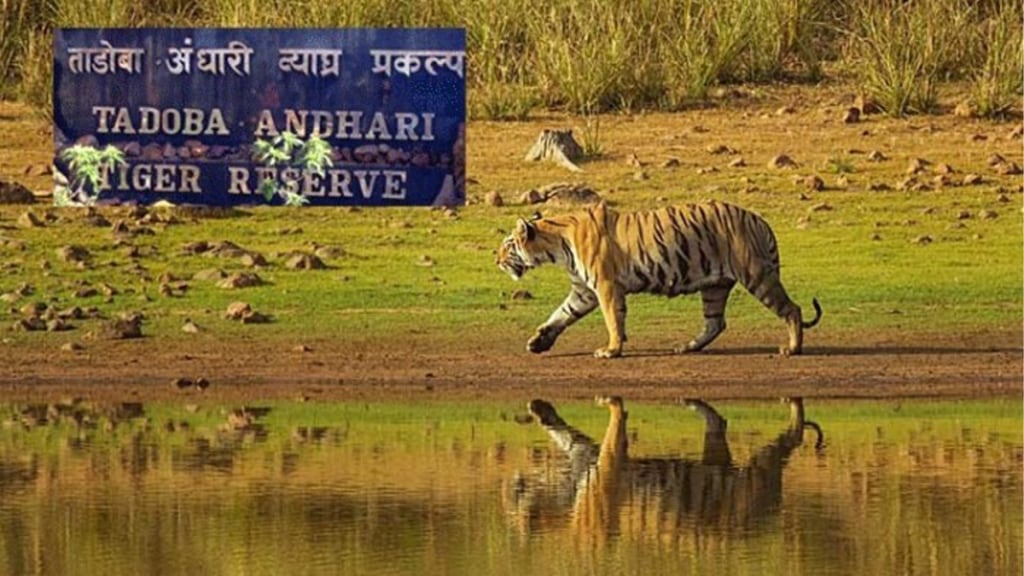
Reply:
x=522, y=249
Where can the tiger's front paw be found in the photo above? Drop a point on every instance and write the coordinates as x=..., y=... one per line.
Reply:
x=542, y=341
x=607, y=352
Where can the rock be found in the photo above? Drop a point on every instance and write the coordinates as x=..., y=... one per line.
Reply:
x=28, y=219
x=963, y=215
x=190, y=327
x=1017, y=133
x=127, y=327
x=304, y=262
x=782, y=161
x=917, y=165
x=670, y=163
x=522, y=295
x=226, y=249
x=72, y=254
x=566, y=194
x=822, y=207
x=425, y=261
x=328, y=252
x=252, y=260
x=640, y=176
x=876, y=156
x=71, y=347
x=1008, y=169
x=15, y=193
x=633, y=160
x=85, y=292
x=718, y=149
x=995, y=160
x=737, y=163
x=988, y=214
x=236, y=310
x=879, y=187
x=784, y=110
x=558, y=146
x=209, y=275
x=56, y=325
x=240, y=280
x=813, y=183
x=851, y=116
x=971, y=179
x=531, y=197
x=923, y=240
x=943, y=168
x=493, y=198
x=182, y=383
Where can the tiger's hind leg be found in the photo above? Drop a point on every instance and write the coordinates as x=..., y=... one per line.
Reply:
x=772, y=294
x=714, y=298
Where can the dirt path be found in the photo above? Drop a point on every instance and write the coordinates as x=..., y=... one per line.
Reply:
x=977, y=365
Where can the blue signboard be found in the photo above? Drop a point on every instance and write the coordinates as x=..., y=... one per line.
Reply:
x=189, y=109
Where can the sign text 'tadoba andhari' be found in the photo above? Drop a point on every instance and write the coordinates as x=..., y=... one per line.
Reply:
x=186, y=105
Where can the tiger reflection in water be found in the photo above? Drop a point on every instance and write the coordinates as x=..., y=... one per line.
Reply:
x=603, y=492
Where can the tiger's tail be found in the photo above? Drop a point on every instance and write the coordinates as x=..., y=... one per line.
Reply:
x=817, y=315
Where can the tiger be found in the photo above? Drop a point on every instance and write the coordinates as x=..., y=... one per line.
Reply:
x=705, y=248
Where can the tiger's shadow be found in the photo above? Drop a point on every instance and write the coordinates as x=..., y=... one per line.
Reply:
x=600, y=491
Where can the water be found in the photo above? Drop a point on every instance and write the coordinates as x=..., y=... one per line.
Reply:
x=908, y=488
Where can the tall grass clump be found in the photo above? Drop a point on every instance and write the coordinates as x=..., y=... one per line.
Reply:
x=900, y=51
x=499, y=71
x=581, y=54
x=701, y=43
x=779, y=37
x=997, y=82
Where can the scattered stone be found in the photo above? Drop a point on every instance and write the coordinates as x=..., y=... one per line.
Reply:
x=304, y=262
x=197, y=247
x=784, y=110
x=15, y=193
x=995, y=160
x=202, y=384
x=842, y=182
x=875, y=236
x=302, y=349
x=71, y=347
x=522, y=295
x=978, y=137
x=531, y=197
x=57, y=325
x=127, y=327
x=209, y=275
x=813, y=183
x=1002, y=198
x=633, y=160
x=1008, y=169
x=253, y=260
x=236, y=310
x=28, y=219
x=988, y=214
x=226, y=249
x=879, y=187
x=718, y=149
x=425, y=261
x=640, y=176
x=943, y=168
x=85, y=292
x=493, y=198
x=707, y=170
x=182, y=383
x=822, y=207
x=917, y=165
x=971, y=179
x=923, y=240
x=876, y=156
x=700, y=129
x=738, y=163
x=240, y=280
x=963, y=215
x=851, y=116
x=670, y=163
x=1016, y=133
x=942, y=180
x=190, y=327
x=782, y=161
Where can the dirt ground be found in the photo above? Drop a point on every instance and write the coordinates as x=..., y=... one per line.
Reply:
x=887, y=366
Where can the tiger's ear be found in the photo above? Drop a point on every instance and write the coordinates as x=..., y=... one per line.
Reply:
x=527, y=229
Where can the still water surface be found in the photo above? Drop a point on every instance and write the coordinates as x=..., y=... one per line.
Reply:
x=898, y=488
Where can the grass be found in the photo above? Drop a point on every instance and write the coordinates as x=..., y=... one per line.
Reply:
x=587, y=57
x=862, y=258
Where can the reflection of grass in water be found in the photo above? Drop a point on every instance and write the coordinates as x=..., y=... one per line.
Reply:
x=661, y=428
